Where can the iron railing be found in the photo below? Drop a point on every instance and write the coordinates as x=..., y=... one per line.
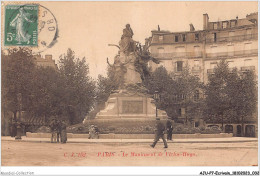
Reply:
x=232, y=38
x=233, y=54
x=178, y=55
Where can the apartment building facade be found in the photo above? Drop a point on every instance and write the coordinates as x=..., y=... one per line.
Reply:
x=235, y=40
x=45, y=62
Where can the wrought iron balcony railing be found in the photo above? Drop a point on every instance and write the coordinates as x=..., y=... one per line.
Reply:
x=232, y=38
x=232, y=54
x=178, y=55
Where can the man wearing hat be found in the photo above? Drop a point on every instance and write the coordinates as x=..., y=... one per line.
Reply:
x=159, y=133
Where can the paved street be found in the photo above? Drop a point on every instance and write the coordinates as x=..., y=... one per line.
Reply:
x=20, y=153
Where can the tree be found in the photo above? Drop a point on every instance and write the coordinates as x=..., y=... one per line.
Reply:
x=176, y=91
x=230, y=95
x=18, y=69
x=79, y=88
x=217, y=97
x=243, y=93
x=47, y=93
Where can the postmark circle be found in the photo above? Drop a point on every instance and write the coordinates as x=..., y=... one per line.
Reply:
x=47, y=30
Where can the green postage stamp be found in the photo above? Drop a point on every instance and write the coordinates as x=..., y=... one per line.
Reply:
x=21, y=25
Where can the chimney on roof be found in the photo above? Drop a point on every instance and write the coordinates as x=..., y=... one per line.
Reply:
x=159, y=28
x=205, y=21
x=192, y=27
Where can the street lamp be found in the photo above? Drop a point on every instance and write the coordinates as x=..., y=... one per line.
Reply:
x=156, y=98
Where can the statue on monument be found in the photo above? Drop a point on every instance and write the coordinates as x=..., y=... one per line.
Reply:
x=131, y=64
x=127, y=44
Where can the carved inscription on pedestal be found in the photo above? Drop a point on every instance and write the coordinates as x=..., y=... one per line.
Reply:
x=132, y=107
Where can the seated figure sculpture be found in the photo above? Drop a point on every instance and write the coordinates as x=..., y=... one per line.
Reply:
x=127, y=44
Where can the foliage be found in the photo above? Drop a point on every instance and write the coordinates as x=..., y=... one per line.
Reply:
x=176, y=91
x=18, y=69
x=78, y=89
x=68, y=92
x=47, y=93
x=231, y=96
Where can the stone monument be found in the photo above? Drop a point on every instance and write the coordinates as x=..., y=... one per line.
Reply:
x=130, y=102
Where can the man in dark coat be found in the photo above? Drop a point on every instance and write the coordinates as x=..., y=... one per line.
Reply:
x=58, y=131
x=159, y=133
x=63, y=132
x=169, y=129
x=53, y=126
x=13, y=128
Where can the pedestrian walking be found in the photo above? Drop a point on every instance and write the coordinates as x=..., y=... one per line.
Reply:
x=169, y=129
x=159, y=133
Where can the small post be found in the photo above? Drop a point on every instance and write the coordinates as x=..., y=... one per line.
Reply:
x=156, y=98
x=18, y=123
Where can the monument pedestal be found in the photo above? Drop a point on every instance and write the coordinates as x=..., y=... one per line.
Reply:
x=127, y=113
x=130, y=105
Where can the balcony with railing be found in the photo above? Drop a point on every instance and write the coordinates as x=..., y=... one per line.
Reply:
x=243, y=69
x=232, y=38
x=233, y=54
x=178, y=55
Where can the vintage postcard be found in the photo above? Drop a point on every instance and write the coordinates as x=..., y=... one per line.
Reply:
x=130, y=83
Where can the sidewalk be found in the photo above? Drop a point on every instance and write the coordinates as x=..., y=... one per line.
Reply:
x=85, y=140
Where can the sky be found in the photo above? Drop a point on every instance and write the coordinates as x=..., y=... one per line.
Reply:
x=88, y=27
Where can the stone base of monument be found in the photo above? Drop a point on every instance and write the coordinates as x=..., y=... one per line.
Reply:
x=133, y=105
x=127, y=112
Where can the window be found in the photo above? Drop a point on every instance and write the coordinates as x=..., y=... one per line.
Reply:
x=179, y=112
x=196, y=63
x=248, y=62
x=183, y=37
x=196, y=95
x=215, y=25
x=197, y=52
x=247, y=48
x=215, y=37
x=224, y=25
x=232, y=23
x=213, y=65
x=160, y=50
x=180, y=51
x=196, y=37
x=248, y=34
x=161, y=38
x=231, y=64
x=230, y=49
x=176, y=38
x=179, y=65
x=231, y=35
x=196, y=124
